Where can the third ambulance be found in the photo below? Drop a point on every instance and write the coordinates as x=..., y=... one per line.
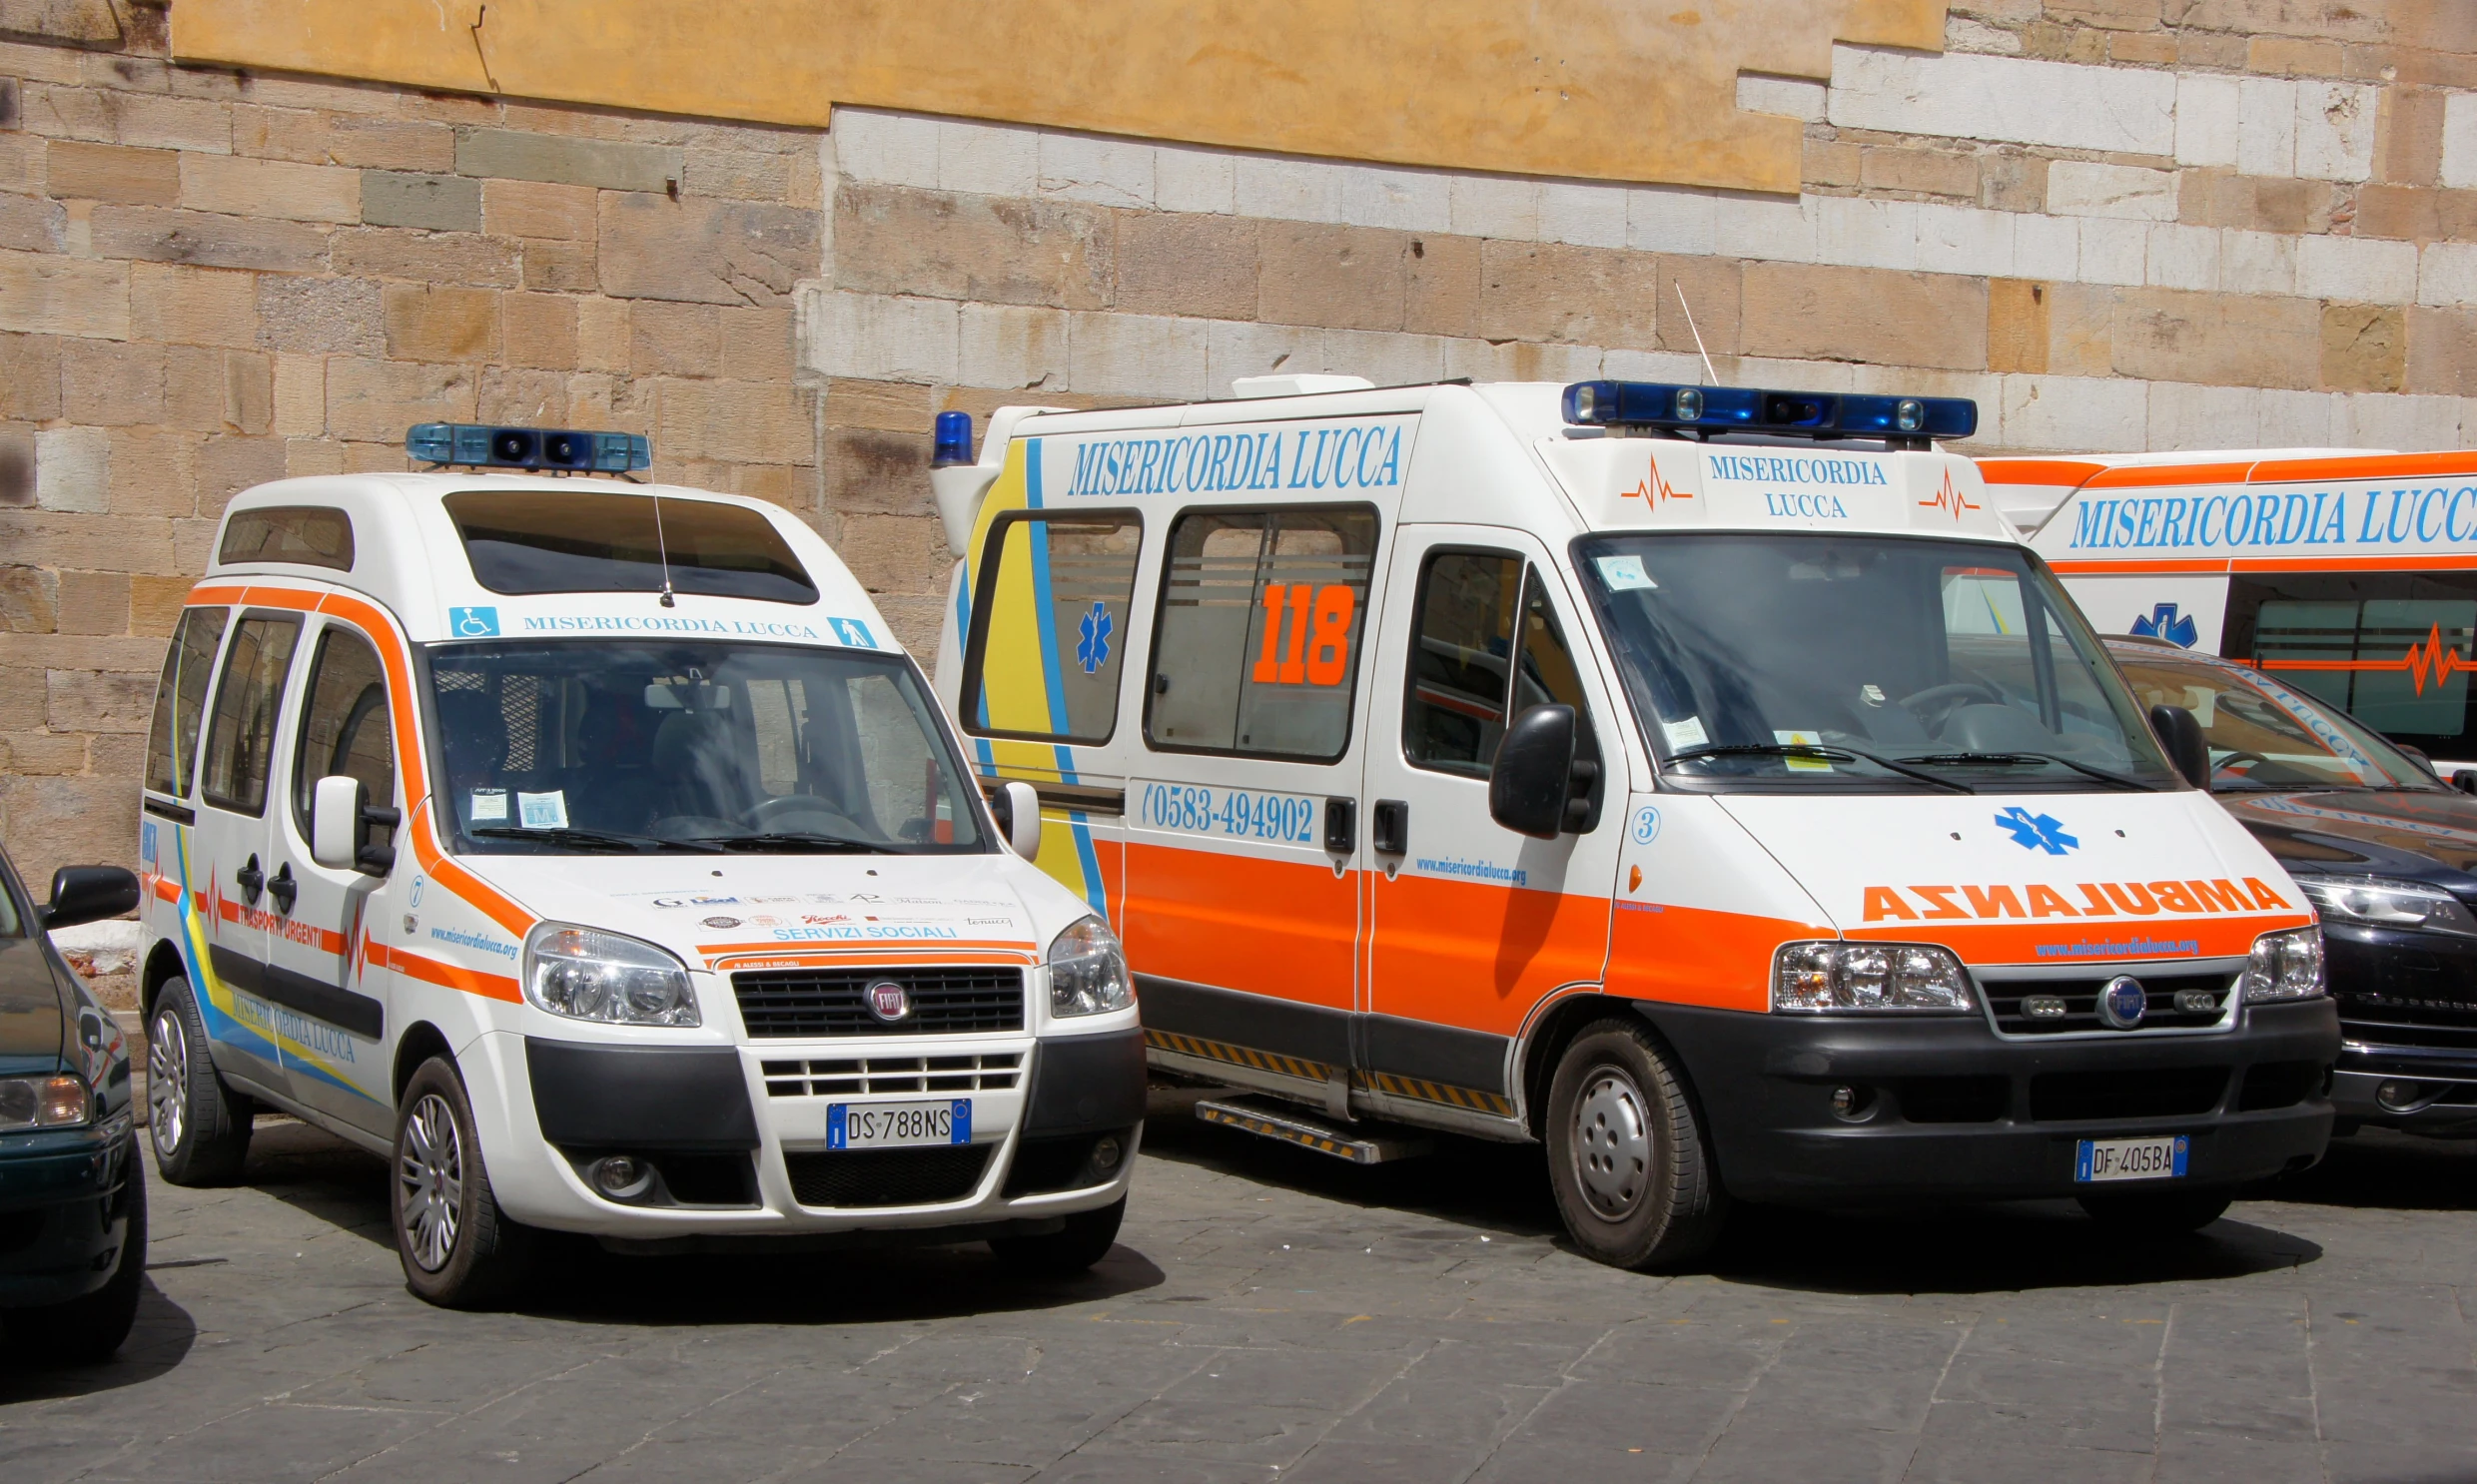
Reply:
x=1702, y=781
x=2348, y=573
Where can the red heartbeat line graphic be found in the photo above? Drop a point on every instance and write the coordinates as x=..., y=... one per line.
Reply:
x=2432, y=656
x=1951, y=499
x=1654, y=491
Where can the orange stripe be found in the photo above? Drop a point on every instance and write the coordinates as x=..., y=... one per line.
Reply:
x=204, y=597
x=2065, y=472
x=453, y=977
x=167, y=890
x=2366, y=466
x=923, y=952
x=1696, y=956
x=2144, y=476
x=2434, y=564
x=2214, y=566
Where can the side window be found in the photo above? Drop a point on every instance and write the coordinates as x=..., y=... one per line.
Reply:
x=1489, y=648
x=1049, y=626
x=1257, y=644
x=344, y=727
x=181, y=700
x=241, y=739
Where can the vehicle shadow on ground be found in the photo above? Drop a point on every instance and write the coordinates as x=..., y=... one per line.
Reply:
x=2006, y=1248
x=2380, y=1169
x=320, y=1176
x=159, y=1341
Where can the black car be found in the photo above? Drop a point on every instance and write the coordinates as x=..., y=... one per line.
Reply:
x=72, y=1197
x=2387, y=852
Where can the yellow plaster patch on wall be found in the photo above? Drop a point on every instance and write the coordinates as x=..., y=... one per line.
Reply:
x=1604, y=89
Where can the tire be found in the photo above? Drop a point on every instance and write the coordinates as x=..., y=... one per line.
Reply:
x=1085, y=1240
x=198, y=1127
x=2157, y=1212
x=459, y=1250
x=87, y=1330
x=1627, y=1157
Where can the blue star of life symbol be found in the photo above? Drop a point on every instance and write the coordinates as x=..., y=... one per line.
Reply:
x=2164, y=624
x=2037, y=831
x=1093, y=652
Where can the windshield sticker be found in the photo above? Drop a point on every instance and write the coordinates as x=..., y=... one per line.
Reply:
x=2098, y=899
x=1684, y=734
x=1803, y=739
x=473, y=624
x=489, y=804
x=543, y=811
x=1624, y=573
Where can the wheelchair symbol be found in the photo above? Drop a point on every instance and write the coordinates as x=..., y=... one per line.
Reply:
x=473, y=624
x=853, y=632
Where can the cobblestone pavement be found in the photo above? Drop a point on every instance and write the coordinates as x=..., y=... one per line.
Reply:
x=1270, y=1315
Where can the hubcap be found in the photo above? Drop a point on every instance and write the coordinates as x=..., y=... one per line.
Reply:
x=167, y=1082
x=430, y=1160
x=1613, y=1145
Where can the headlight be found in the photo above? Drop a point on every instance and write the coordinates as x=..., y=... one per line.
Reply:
x=1088, y=973
x=593, y=976
x=2385, y=902
x=2284, y=966
x=1835, y=975
x=43, y=1102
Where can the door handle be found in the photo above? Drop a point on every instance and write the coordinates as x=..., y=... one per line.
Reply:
x=1341, y=825
x=1388, y=827
x=284, y=889
x=252, y=881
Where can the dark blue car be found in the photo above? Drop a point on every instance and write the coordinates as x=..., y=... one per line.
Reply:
x=72, y=1197
x=2388, y=853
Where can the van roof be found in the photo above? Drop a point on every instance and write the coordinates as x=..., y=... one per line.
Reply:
x=404, y=545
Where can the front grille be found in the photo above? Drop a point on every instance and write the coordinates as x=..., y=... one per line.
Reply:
x=833, y=1002
x=2165, y=1093
x=849, y=1178
x=824, y=1077
x=2009, y=1000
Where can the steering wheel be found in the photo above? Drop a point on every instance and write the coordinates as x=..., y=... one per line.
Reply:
x=2233, y=758
x=773, y=814
x=1948, y=698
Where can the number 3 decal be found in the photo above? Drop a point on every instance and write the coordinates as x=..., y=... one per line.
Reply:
x=1318, y=657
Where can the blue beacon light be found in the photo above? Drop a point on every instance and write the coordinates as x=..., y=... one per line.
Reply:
x=1748, y=409
x=953, y=442
x=558, y=450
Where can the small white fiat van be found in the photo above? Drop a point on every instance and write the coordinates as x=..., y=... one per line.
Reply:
x=594, y=853
x=1704, y=781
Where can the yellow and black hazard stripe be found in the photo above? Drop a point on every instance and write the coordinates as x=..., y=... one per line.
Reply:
x=1423, y=1091
x=1287, y=1131
x=1236, y=1056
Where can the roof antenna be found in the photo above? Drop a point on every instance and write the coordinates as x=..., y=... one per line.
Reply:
x=1711, y=377
x=664, y=547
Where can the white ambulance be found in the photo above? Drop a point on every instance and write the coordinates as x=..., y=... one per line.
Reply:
x=592, y=852
x=2350, y=574
x=1702, y=781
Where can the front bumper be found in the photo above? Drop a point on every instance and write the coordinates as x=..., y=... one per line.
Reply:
x=1951, y=1111
x=738, y=1141
x=2408, y=1020
x=63, y=1211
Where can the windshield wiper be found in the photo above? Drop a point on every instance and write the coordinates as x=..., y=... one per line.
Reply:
x=572, y=835
x=1818, y=751
x=796, y=840
x=1999, y=759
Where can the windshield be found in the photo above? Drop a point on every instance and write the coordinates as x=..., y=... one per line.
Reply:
x=593, y=746
x=2264, y=735
x=1863, y=662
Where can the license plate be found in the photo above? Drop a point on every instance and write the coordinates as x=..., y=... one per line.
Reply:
x=897, y=1126
x=2161, y=1159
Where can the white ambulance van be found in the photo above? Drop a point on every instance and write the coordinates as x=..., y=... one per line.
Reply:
x=2349, y=574
x=1703, y=782
x=592, y=852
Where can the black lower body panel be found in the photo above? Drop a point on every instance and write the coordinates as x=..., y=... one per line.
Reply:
x=630, y=1098
x=1085, y=1083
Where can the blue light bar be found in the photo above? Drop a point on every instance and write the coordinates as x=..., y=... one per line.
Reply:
x=556, y=449
x=1746, y=409
x=954, y=441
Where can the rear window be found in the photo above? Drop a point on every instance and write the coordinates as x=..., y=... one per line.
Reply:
x=311, y=535
x=559, y=540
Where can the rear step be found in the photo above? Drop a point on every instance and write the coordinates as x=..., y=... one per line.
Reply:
x=1360, y=1143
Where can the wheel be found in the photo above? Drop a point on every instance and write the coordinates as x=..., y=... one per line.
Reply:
x=86, y=1331
x=1086, y=1239
x=2159, y=1212
x=460, y=1250
x=1626, y=1152
x=198, y=1127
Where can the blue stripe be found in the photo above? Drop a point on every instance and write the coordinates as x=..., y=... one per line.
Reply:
x=1053, y=677
x=1095, y=889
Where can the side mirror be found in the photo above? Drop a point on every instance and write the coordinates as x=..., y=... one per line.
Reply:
x=2182, y=735
x=335, y=821
x=89, y=894
x=1534, y=773
x=2464, y=779
x=1018, y=811
x=2417, y=755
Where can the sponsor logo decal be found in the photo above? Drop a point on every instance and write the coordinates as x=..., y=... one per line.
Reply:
x=722, y=922
x=2037, y=831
